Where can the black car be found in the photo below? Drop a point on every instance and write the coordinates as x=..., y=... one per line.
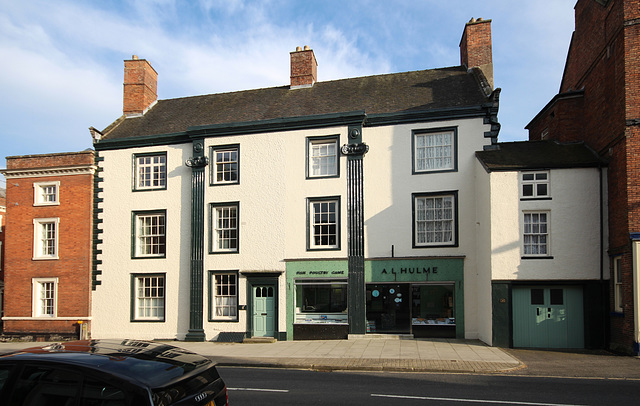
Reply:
x=109, y=373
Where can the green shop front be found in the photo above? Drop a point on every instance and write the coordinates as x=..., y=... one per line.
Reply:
x=422, y=297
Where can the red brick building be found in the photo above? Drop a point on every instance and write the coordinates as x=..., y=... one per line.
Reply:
x=3, y=217
x=48, y=248
x=599, y=103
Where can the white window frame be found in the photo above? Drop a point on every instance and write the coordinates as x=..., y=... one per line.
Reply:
x=38, y=285
x=151, y=175
x=149, y=298
x=618, y=298
x=225, y=230
x=42, y=196
x=320, y=224
x=157, y=240
x=225, y=166
x=534, y=179
x=434, y=150
x=39, y=238
x=323, y=157
x=435, y=225
x=540, y=233
x=224, y=296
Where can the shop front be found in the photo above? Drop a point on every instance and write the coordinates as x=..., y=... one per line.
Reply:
x=422, y=297
x=317, y=300
x=417, y=296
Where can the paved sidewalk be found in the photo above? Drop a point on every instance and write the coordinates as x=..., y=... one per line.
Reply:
x=363, y=354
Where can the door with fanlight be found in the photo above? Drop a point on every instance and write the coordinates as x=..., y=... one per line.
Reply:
x=263, y=310
x=548, y=317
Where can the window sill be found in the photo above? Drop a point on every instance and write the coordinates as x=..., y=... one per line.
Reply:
x=540, y=257
x=150, y=189
x=45, y=258
x=147, y=321
x=338, y=323
x=524, y=199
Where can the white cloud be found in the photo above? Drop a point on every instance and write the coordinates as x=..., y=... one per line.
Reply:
x=62, y=61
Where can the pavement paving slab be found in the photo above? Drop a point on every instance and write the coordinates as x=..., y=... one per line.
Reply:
x=418, y=355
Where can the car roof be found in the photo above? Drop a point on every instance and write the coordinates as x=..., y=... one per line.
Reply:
x=151, y=364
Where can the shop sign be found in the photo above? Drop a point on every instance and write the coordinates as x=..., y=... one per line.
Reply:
x=320, y=273
x=404, y=270
x=409, y=271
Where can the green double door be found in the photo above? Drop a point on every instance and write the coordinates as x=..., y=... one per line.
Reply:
x=548, y=317
x=263, y=309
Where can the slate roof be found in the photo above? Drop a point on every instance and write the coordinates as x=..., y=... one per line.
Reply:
x=523, y=155
x=380, y=94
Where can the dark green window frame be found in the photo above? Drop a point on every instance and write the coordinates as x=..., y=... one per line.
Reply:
x=310, y=224
x=212, y=296
x=134, y=234
x=134, y=176
x=134, y=297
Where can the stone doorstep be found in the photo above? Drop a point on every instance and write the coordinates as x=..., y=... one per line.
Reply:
x=259, y=340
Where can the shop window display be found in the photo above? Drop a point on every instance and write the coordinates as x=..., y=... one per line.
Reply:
x=432, y=305
x=425, y=310
x=322, y=302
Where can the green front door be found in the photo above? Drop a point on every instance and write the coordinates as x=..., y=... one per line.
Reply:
x=548, y=317
x=263, y=317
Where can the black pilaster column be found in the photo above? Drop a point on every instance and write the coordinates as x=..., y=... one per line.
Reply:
x=197, y=163
x=355, y=151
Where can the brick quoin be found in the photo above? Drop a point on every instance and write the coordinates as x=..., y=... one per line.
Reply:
x=599, y=103
x=73, y=266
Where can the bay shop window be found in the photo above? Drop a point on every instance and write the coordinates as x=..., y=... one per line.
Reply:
x=319, y=301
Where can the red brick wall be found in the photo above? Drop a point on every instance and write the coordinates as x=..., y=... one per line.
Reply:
x=475, y=46
x=73, y=268
x=559, y=120
x=604, y=61
x=304, y=68
x=140, y=86
x=71, y=159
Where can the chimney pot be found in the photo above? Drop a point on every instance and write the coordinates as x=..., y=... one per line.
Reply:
x=134, y=57
x=298, y=49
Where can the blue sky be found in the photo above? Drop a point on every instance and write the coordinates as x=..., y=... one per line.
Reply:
x=61, y=62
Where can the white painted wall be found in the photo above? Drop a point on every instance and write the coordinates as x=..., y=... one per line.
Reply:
x=272, y=193
x=389, y=184
x=112, y=300
x=574, y=232
x=483, y=242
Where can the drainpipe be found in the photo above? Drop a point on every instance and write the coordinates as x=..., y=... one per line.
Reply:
x=603, y=291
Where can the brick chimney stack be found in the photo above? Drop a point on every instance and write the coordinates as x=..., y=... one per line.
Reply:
x=140, y=86
x=304, y=68
x=475, y=47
